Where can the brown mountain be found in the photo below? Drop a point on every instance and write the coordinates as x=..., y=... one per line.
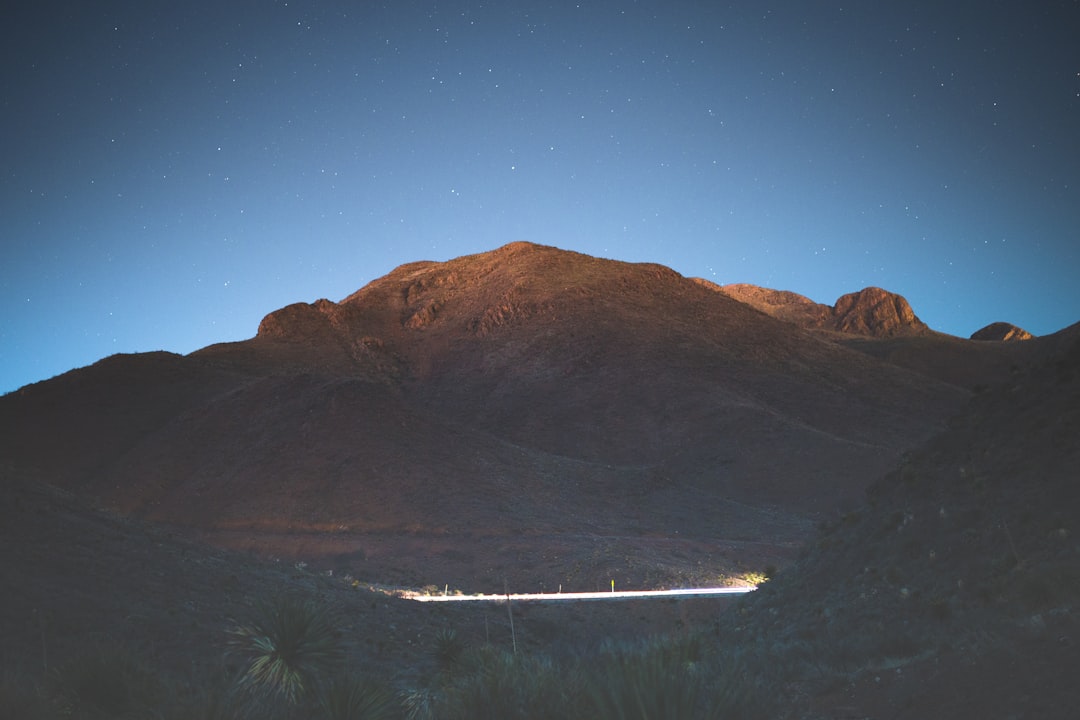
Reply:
x=1001, y=332
x=528, y=413
x=438, y=426
x=871, y=312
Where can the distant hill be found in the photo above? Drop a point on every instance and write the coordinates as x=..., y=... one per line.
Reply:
x=1001, y=332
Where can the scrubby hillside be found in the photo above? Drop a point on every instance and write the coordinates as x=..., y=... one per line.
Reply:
x=954, y=592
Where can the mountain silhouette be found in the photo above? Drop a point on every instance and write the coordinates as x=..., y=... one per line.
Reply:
x=526, y=391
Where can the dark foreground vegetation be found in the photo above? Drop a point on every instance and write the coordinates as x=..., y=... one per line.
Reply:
x=289, y=662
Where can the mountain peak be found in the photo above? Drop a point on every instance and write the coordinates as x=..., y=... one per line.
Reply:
x=876, y=312
x=1002, y=332
x=871, y=311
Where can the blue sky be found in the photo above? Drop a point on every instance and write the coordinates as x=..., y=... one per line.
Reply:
x=174, y=171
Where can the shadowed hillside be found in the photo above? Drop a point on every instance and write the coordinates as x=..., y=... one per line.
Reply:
x=954, y=591
x=882, y=324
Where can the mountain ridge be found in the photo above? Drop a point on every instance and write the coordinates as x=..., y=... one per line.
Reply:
x=872, y=312
x=541, y=387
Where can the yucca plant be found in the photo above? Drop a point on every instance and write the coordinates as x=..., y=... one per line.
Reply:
x=421, y=704
x=448, y=648
x=286, y=648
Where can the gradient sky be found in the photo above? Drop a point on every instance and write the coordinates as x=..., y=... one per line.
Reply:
x=173, y=171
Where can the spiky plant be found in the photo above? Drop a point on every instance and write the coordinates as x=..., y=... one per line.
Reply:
x=420, y=704
x=287, y=647
x=354, y=698
x=448, y=648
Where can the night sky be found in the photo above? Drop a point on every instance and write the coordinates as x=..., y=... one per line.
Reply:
x=173, y=171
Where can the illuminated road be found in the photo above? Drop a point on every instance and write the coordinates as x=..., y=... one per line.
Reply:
x=563, y=597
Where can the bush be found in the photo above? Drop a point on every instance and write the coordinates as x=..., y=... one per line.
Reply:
x=503, y=686
x=665, y=679
x=448, y=649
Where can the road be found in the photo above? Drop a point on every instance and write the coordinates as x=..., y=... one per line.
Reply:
x=563, y=597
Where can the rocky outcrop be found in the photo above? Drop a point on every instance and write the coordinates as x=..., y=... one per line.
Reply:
x=1001, y=332
x=877, y=313
x=871, y=312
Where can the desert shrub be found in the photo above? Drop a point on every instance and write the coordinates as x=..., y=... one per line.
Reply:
x=663, y=679
x=107, y=681
x=355, y=698
x=285, y=649
x=500, y=685
x=745, y=683
x=448, y=648
x=755, y=578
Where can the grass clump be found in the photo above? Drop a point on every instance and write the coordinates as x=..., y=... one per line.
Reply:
x=662, y=679
x=448, y=648
x=500, y=684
